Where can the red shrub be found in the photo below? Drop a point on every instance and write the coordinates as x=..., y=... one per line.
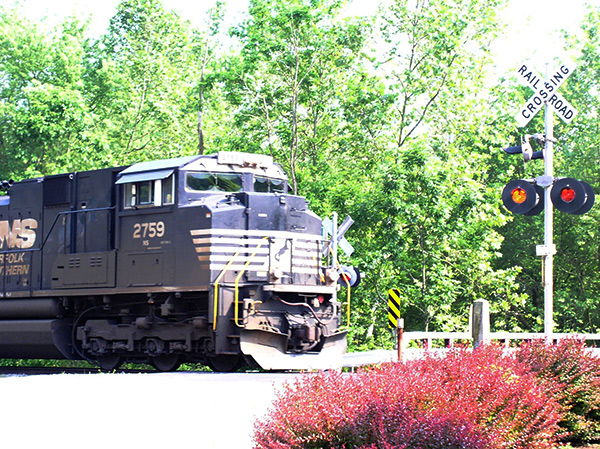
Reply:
x=492, y=392
x=464, y=400
x=576, y=371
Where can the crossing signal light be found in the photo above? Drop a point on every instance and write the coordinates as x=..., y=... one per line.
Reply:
x=572, y=196
x=526, y=149
x=523, y=197
x=349, y=276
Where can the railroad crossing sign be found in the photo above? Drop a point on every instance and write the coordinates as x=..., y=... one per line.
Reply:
x=545, y=93
x=340, y=240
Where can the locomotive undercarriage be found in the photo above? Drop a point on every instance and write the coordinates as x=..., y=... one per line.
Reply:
x=162, y=331
x=168, y=331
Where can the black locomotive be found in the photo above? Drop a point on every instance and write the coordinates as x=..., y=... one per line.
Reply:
x=201, y=259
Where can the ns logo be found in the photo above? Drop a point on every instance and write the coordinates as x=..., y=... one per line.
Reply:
x=21, y=235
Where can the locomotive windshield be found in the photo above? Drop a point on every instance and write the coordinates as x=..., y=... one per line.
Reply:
x=219, y=182
x=264, y=184
x=230, y=182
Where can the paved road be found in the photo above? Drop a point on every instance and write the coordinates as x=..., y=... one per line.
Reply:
x=167, y=411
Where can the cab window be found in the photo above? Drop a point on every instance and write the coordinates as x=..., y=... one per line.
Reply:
x=158, y=192
x=214, y=182
x=268, y=185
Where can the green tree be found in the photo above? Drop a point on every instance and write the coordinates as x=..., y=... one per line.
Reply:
x=295, y=62
x=432, y=214
x=141, y=76
x=43, y=112
x=433, y=57
x=204, y=47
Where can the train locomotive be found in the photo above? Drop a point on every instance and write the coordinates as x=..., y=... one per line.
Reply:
x=203, y=259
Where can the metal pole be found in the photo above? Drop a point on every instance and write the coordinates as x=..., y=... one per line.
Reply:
x=400, y=337
x=334, y=233
x=548, y=222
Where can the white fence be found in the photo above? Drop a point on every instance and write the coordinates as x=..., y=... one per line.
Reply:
x=478, y=333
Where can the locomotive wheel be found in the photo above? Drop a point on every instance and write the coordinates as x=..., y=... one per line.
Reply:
x=109, y=362
x=166, y=362
x=224, y=363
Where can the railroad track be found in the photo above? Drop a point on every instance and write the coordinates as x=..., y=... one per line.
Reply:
x=38, y=370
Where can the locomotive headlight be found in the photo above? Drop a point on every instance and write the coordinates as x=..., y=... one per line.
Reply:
x=276, y=273
x=332, y=275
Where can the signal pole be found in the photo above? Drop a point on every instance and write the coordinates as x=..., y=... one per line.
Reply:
x=548, y=220
x=567, y=194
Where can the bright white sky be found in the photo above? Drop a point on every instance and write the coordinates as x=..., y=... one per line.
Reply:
x=532, y=34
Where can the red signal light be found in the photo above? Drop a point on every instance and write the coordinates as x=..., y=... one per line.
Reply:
x=349, y=276
x=572, y=196
x=518, y=195
x=523, y=197
x=567, y=194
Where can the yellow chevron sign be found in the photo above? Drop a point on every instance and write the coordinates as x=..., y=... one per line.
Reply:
x=393, y=307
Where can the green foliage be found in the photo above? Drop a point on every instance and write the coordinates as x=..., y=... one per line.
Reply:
x=143, y=73
x=43, y=115
x=434, y=56
x=428, y=213
x=289, y=79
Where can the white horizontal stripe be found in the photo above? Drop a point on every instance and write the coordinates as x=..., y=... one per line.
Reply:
x=258, y=252
x=244, y=256
x=231, y=250
x=307, y=246
x=301, y=269
x=231, y=241
x=253, y=268
x=298, y=263
x=305, y=254
x=255, y=233
x=239, y=259
x=237, y=267
x=255, y=264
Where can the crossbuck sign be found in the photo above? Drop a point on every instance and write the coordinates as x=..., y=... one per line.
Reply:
x=545, y=93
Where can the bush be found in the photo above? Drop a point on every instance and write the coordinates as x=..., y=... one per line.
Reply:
x=507, y=403
x=470, y=400
x=576, y=371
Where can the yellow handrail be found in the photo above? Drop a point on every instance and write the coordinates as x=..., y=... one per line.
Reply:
x=238, y=277
x=321, y=277
x=216, y=294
